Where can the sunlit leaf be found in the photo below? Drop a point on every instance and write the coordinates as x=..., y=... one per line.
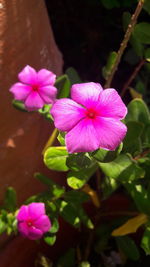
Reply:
x=55, y=158
x=131, y=225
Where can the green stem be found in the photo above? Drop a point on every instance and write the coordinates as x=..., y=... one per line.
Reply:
x=124, y=42
x=51, y=140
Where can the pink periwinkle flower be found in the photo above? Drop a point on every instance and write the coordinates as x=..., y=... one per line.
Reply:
x=91, y=119
x=32, y=221
x=35, y=88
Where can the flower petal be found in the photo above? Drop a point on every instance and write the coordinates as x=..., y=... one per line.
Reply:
x=20, y=91
x=110, y=132
x=111, y=104
x=48, y=93
x=34, y=233
x=34, y=101
x=23, y=228
x=28, y=75
x=66, y=114
x=86, y=94
x=23, y=213
x=43, y=223
x=82, y=138
x=45, y=77
x=36, y=210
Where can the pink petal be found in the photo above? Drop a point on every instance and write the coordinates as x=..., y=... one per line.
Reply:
x=23, y=213
x=111, y=104
x=48, y=93
x=34, y=101
x=23, y=228
x=45, y=77
x=86, y=94
x=20, y=91
x=82, y=138
x=66, y=114
x=28, y=75
x=43, y=223
x=34, y=233
x=110, y=132
x=36, y=210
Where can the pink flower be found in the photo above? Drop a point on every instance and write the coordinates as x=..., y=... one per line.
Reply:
x=91, y=119
x=35, y=88
x=32, y=221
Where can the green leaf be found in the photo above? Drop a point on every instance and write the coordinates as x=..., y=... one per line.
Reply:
x=45, y=111
x=77, y=179
x=73, y=76
x=55, y=227
x=10, y=201
x=132, y=142
x=61, y=138
x=55, y=158
x=78, y=162
x=142, y=32
x=127, y=245
x=109, y=185
x=122, y=168
x=77, y=197
x=70, y=213
x=84, y=264
x=2, y=226
x=109, y=4
x=126, y=18
x=140, y=196
x=147, y=55
x=74, y=214
x=52, y=208
x=50, y=240
x=63, y=85
x=138, y=111
x=103, y=155
x=147, y=6
x=137, y=45
x=145, y=242
x=140, y=87
x=19, y=105
x=55, y=189
x=109, y=65
x=85, y=219
x=68, y=259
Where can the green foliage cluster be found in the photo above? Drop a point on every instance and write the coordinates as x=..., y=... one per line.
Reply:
x=96, y=177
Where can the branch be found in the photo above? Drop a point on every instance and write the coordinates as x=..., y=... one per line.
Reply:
x=124, y=42
x=132, y=77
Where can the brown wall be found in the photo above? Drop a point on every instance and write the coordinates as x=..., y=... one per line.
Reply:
x=25, y=38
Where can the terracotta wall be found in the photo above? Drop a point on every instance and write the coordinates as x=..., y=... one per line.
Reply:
x=25, y=38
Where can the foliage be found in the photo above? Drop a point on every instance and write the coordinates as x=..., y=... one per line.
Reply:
x=95, y=177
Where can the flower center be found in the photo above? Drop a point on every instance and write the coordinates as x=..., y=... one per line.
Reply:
x=29, y=222
x=35, y=87
x=90, y=113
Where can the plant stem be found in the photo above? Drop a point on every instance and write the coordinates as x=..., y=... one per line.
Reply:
x=89, y=244
x=124, y=42
x=51, y=140
x=143, y=154
x=132, y=77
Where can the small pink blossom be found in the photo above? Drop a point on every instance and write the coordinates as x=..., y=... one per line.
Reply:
x=35, y=88
x=91, y=119
x=32, y=221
